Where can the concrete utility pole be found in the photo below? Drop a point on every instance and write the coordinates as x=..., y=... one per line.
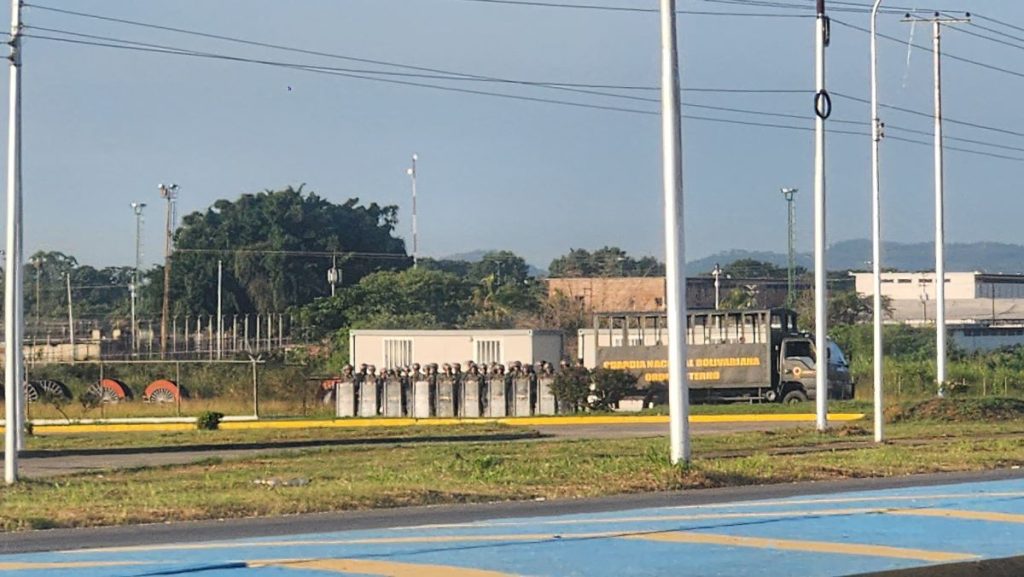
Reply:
x=822, y=110
x=411, y=171
x=790, y=194
x=876, y=227
x=937, y=21
x=71, y=319
x=170, y=194
x=675, y=250
x=717, y=272
x=14, y=371
x=137, y=209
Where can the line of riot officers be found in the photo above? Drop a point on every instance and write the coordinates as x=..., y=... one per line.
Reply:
x=446, y=390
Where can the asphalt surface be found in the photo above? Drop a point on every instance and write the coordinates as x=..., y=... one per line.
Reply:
x=951, y=525
x=43, y=464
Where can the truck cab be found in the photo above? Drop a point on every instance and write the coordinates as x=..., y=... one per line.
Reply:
x=798, y=370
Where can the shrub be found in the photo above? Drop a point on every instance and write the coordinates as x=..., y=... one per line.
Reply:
x=209, y=421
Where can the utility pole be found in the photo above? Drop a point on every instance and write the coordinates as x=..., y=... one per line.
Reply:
x=71, y=319
x=220, y=314
x=937, y=21
x=717, y=272
x=789, y=194
x=411, y=171
x=170, y=194
x=14, y=372
x=675, y=251
x=137, y=209
x=822, y=110
x=876, y=228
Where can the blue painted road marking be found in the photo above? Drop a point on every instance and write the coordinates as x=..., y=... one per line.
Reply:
x=821, y=535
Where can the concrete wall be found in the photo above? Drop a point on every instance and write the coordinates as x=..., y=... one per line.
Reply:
x=454, y=346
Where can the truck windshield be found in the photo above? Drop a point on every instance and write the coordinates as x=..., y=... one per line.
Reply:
x=836, y=354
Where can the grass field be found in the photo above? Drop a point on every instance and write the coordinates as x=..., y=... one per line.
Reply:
x=356, y=477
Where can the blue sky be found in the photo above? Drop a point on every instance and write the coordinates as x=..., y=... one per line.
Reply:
x=103, y=127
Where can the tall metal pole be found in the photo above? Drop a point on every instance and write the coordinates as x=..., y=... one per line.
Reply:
x=71, y=320
x=789, y=194
x=940, y=220
x=220, y=314
x=411, y=171
x=940, y=243
x=876, y=227
x=169, y=193
x=13, y=335
x=137, y=209
x=822, y=110
x=675, y=250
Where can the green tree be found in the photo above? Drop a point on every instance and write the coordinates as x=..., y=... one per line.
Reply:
x=265, y=239
x=410, y=299
x=609, y=261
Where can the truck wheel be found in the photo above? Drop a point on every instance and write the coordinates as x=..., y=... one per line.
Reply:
x=794, y=396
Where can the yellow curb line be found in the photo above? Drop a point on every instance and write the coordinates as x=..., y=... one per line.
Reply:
x=407, y=422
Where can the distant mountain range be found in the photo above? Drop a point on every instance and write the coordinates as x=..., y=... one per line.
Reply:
x=991, y=257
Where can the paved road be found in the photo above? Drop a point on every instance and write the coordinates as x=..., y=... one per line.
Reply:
x=822, y=529
x=62, y=463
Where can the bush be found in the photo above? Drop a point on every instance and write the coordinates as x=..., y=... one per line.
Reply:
x=571, y=387
x=209, y=421
x=609, y=388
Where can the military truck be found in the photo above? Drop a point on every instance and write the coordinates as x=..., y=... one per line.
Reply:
x=735, y=355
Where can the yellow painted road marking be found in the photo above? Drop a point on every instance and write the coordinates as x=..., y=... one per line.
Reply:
x=381, y=568
x=960, y=514
x=405, y=422
x=27, y=566
x=804, y=546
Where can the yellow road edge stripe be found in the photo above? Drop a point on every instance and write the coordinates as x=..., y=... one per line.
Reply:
x=112, y=428
x=959, y=514
x=805, y=546
x=380, y=568
x=29, y=566
x=406, y=422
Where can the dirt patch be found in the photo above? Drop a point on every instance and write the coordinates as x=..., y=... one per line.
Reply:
x=954, y=410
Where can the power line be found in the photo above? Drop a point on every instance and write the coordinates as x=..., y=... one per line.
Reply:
x=393, y=64
x=606, y=8
x=978, y=63
x=321, y=70
x=928, y=115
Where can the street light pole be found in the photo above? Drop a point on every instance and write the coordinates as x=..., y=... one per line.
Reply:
x=137, y=209
x=170, y=194
x=675, y=251
x=822, y=110
x=411, y=171
x=876, y=227
x=14, y=371
x=789, y=194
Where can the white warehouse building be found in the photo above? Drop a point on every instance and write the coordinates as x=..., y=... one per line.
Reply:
x=397, y=348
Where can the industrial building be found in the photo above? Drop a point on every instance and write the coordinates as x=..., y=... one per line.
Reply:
x=983, y=311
